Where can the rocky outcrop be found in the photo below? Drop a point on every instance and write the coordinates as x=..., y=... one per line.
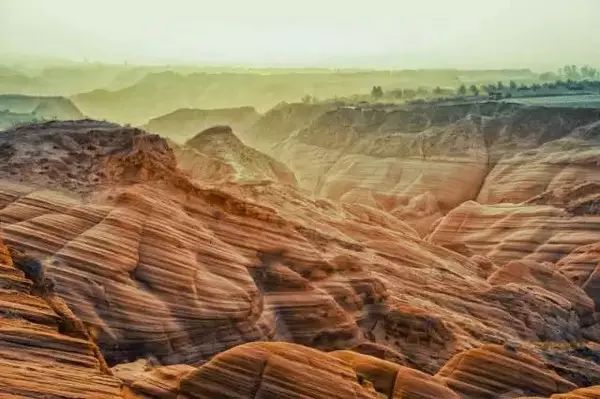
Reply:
x=277, y=369
x=583, y=393
x=264, y=370
x=80, y=156
x=494, y=371
x=217, y=268
x=44, y=350
x=393, y=381
x=216, y=155
x=143, y=380
x=538, y=233
x=506, y=232
x=582, y=265
x=386, y=158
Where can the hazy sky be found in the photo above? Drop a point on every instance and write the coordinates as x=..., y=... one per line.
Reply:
x=384, y=33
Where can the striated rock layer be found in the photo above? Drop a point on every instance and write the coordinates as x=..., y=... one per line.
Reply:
x=419, y=162
x=44, y=349
x=494, y=371
x=159, y=265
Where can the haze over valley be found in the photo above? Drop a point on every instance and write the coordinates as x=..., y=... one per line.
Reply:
x=299, y=200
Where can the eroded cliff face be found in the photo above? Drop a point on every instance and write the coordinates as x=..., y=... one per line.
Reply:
x=348, y=297
x=418, y=163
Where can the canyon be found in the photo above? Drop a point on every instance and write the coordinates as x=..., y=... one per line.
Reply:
x=315, y=251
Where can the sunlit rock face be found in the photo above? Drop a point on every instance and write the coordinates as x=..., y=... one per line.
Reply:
x=44, y=349
x=495, y=371
x=542, y=233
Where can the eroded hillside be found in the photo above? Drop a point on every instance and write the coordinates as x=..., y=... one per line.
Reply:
x=379, y=276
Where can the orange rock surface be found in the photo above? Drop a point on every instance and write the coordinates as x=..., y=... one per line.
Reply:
x=42, y=352
x=495, y=371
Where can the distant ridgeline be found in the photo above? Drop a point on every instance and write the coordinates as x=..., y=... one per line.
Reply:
x=16, y=109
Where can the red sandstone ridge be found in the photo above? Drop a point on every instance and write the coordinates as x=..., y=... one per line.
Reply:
x=192, y=282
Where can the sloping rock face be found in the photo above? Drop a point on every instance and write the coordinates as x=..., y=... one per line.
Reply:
x=559, y=159
x=582, y=265
x=44, y=349
x=546, y=276
x=541, y=233
x=583, y=393
x=495, y=371
x=217, y=155
x=394, y=381
x=274, y=370
x=256, y=370
x=183, y=124
x=382, y=158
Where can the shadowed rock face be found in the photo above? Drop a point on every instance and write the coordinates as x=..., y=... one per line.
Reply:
x=160, y=263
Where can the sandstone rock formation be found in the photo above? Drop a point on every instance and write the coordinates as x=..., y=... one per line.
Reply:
x=495, y=371
x=44, y=351
x=583, y=393
x=394, y=381
x=419, y=162
x=216, y=155
x=158, y=261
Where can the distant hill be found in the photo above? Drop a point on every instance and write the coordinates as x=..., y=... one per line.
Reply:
x=16, y=108
x=160, y=93
x=185, y=123
x=217, y=155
